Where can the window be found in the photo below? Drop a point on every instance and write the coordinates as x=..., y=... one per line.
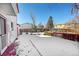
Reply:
x=2, y=33
x=12, y=26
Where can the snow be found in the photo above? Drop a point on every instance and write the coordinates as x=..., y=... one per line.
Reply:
x=43, y=36
x=38, y=45
x=25, y=48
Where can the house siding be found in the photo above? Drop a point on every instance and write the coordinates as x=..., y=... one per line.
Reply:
x=11, y=34
x=6, y=8
x=9, y=12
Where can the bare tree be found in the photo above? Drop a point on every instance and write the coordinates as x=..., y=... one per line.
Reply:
x=75, y=9
x=33, y=19
x=41, y=26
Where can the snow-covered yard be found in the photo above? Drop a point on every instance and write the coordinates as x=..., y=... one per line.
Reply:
x=39, y=45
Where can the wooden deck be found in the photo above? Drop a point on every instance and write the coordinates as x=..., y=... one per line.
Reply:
x=11, y=50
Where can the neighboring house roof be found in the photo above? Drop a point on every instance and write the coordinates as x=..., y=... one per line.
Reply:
x=26, y=26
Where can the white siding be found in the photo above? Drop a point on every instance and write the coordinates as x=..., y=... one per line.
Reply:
x=0, y=27
x=8, y=12
x=0, y=38
x=11, y=34
x=6, y=8
x=0, y=44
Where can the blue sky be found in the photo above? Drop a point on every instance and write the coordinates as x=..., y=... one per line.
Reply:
x=61, y=13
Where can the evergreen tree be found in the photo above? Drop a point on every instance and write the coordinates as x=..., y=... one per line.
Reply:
x=50, y=23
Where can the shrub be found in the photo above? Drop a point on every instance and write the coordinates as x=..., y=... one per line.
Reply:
x=47, y=33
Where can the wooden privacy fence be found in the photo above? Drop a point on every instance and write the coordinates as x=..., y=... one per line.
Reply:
x=69, y=36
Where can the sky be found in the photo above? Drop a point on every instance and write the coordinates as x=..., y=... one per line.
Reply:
x=61, y=13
